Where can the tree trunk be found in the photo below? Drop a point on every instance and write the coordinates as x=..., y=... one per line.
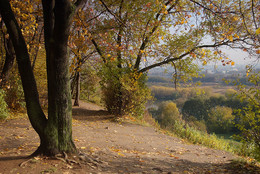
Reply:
x=34, y=110
x=77, y=95
x=59, y=128
x=9, y=60
x=56, y=132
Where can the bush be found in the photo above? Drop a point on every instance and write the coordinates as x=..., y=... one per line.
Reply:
x=199, y=125
x=168, y=113
x=14, y=94
x=196, y=107
x=124, y=92
x=249, y=116
x=220, y=119
x=3, y=106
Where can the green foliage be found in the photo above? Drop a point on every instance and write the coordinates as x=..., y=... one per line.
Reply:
x=249, y=116
x=196, y=107
x=220, y=119
x=3, y=106
x=124, y=92
x=198, y=125
x=89, y=84
x=167, y=114
x=14, y=94
x=198, y=137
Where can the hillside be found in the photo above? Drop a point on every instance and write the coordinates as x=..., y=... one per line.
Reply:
x=111, y=147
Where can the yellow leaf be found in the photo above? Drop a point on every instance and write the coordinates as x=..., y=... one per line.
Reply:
x=235, y=18
x=204, y=62
x=257, y=51
x=120, y=154
x=171, y=155
x=232, y=63
x=108, y=55
x=235, y=35
x=162, y=37
x=83, y=147
x=257, y=31
x=230, y=38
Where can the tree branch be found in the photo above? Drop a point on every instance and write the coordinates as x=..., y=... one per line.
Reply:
x=79, y=4
x=146, y=40
x=116, y=17
x=94, y=42
x=168, y=59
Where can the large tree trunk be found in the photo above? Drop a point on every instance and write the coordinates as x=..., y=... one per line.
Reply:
x=56, y=132
x=57, y=18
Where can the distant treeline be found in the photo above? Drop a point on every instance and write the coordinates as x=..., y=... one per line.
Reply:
x=198, y=107
x=207, y=78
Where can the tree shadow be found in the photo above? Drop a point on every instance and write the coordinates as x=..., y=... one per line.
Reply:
x=91, y=115
x=11, y=158
x=157, y=165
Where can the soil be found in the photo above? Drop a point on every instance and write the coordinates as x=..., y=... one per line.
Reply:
x=106, y=146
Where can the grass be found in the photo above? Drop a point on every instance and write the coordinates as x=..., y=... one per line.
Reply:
x=213, y=141
x=192, y=135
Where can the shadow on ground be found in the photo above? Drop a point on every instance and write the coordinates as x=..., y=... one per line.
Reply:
x=90, y=115
x=170, y=166
x=11, y=158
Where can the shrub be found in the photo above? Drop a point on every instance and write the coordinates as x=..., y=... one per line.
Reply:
x=220, y=119
x=196, y=107
x=199, y=125
x=3, y=106
x=124, y=92
x=14, y=94
x=249, y=116
x=168, y=113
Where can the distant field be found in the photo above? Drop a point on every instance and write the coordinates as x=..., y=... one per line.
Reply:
x=216, y=87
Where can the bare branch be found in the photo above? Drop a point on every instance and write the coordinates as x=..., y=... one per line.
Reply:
x=79, y=4
x=169, y=58
x=116, y=17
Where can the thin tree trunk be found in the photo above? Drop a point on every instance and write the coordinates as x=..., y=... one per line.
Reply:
x=34, y=110
x=9, y=60
x=77, y=95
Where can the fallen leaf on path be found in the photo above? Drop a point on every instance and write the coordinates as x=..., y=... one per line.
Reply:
x=120, y=154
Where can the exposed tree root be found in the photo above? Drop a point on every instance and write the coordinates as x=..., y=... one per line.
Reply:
x=92, y=162
x=64, y=157
x=25, y=162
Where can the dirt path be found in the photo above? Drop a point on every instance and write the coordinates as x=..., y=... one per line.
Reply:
x=111, y=147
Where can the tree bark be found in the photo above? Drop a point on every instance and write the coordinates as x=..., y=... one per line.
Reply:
x=77, y=95
x=56, y=132
x=59, y=17
x=9, y=60
x=34, y=110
